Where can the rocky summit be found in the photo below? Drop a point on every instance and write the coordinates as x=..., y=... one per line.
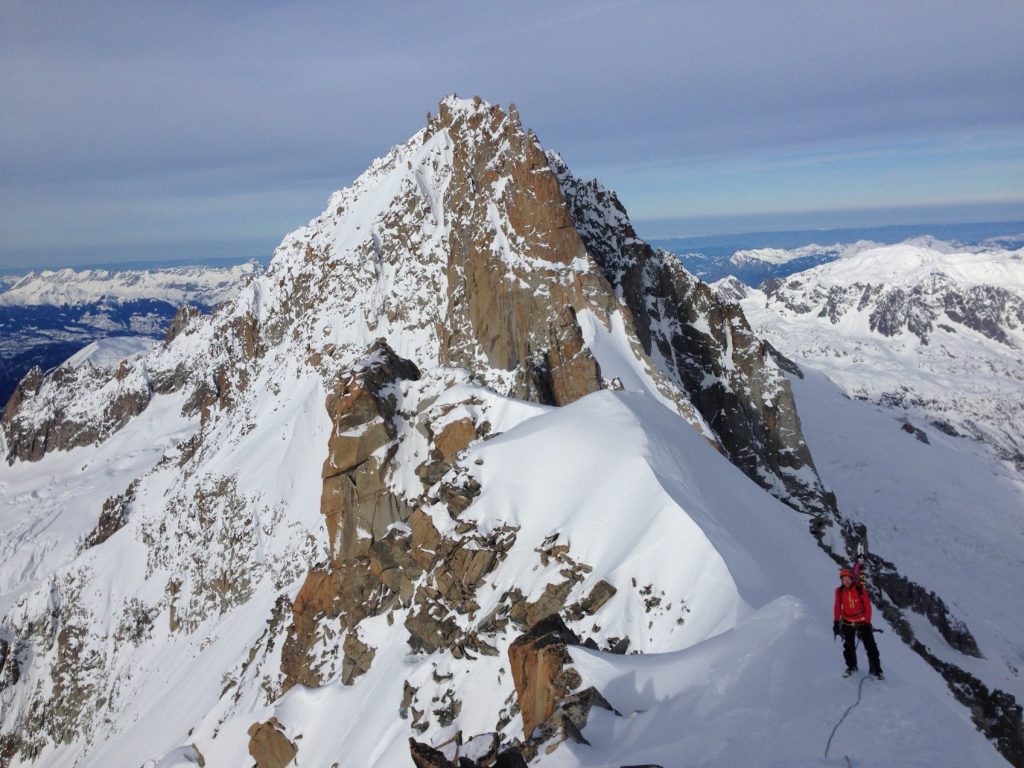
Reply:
x=431, y=491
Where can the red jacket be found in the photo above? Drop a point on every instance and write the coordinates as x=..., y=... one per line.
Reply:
x=852, y=605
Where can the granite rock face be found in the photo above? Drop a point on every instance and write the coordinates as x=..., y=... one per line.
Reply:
x=705, y=346
x=542, y=671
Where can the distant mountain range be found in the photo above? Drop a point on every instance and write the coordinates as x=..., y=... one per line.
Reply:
x=933, y=328
x=758, y=256
x=47, y=316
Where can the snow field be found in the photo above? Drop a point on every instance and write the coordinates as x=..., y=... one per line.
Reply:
x=753, y=669
x=50, y=505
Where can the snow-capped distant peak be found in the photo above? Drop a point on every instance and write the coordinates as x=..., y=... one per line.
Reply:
x=69, y=287
x=909, y=263
x=920, y=323
x=778, y=256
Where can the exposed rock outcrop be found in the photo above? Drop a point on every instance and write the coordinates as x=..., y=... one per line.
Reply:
x=521, y=312
x=36, y=421
x=542, y=671
x=483, y=751
x=355, y=496
x=113, y=516
x=704, y=345
x=553, y=707
x=182, y=318
x=268, y=745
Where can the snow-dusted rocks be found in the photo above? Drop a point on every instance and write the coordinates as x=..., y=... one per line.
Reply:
x=77, y=405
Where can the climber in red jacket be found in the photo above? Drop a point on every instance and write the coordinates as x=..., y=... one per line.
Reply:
x=852, y=619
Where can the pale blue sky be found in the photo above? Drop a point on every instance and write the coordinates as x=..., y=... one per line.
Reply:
x=142, y=130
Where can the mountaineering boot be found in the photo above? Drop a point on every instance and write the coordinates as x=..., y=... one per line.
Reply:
x=850, y=671
x=878, y=675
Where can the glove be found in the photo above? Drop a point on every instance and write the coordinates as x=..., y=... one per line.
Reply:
x=835, y=629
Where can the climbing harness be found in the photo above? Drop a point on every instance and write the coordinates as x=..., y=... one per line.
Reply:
x=860, y=689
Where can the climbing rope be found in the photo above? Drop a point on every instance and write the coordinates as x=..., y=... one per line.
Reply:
x=860, y=689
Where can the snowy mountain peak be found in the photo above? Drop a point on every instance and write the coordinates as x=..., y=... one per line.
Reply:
x=470, y=214
x=914, y=288
x=914, y=311
x=465, y=423
x=732, y=289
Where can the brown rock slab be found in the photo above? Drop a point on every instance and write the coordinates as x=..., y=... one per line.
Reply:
x=268, y=745
x=601, y=593
x=541, y=670
x=357, y=660
x=454, y=437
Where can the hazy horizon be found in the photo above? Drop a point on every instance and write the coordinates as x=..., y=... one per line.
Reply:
x=227, y=254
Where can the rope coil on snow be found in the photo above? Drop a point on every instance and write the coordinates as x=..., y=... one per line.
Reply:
x=860, y=689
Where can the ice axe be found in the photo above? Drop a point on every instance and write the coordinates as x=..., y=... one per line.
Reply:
x=856, y=563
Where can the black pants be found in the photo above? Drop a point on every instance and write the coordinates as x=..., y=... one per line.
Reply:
x=867, y=638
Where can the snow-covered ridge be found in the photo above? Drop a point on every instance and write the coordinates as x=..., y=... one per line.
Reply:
x=110, y=351
x=776, y=256
x=69, y=287
x=919, y=260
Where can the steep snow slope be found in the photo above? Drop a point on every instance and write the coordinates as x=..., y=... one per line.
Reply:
x=49, y=507
x=955, y=516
